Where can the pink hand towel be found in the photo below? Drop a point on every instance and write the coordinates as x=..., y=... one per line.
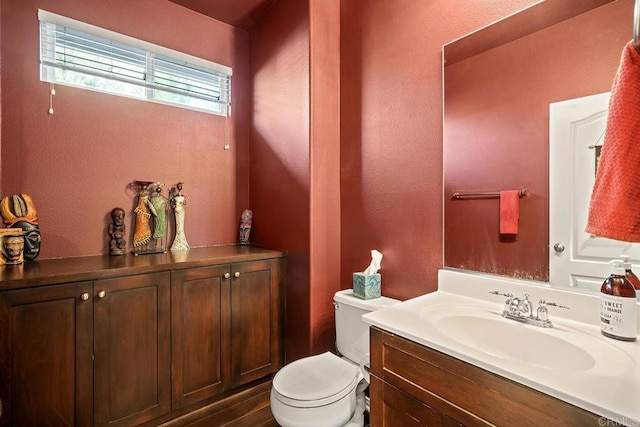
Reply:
x=509, y=211
x=614, y=211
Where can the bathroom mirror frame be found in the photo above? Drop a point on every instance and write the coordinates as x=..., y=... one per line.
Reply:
x=521, y=160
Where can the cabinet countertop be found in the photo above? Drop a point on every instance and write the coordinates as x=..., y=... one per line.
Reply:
x=63, y=270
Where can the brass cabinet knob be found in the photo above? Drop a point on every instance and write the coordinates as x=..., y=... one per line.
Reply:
x=236, y=274
x=227, y=275
x=101, y=294
x=84, y=296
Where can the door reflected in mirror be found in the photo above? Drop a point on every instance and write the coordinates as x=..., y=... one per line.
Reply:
x=496, y=126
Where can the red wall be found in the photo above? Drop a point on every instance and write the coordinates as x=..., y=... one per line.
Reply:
x=76, y=163
x=391, y=133
x=324, y=35
x=496, y=134
x=280, y=154
x=295, y=160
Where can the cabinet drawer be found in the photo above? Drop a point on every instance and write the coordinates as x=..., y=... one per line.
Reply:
x=448, y=384
x=393, y=407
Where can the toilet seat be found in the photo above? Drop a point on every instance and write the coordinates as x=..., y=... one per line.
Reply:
x=315, y=381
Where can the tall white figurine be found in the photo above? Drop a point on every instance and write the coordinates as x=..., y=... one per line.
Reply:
x=177, y=203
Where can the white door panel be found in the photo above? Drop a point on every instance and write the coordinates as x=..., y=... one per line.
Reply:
x=576, y=127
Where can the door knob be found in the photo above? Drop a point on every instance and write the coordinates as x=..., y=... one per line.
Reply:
x=558, y=247
x=84, y=296
x=227, y=275
x=236, y=274
x=101, y=294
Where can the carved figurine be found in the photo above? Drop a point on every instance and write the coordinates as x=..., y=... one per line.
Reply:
x=178, y=201
x=160, y=206
x=18, y=211
x=117, y=244
x=245, y=226
x=144, y=209
x=12, y=246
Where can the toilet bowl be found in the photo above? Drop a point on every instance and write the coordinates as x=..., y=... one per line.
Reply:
x=315, y=391
x=322, y=390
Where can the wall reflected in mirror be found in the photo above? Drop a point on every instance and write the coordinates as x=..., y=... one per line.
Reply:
x=496, y=130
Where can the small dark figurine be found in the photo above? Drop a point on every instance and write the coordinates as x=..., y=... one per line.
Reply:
x=245, y=226
x=18, y=211
x=117, y=244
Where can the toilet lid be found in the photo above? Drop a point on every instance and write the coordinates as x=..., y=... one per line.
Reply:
x=320, y=379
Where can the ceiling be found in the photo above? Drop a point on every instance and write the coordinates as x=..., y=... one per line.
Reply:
x=238, y=13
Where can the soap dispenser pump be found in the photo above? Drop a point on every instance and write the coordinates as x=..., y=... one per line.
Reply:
x=618, y=305
x=630, y=275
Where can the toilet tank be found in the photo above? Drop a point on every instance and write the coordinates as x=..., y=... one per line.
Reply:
x=352, y=334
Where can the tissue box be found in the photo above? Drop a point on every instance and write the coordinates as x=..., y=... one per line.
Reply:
x=366, y=286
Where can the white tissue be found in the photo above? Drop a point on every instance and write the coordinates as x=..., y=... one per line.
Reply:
x=376, y=258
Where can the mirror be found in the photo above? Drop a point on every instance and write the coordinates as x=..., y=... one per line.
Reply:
x=498, y=85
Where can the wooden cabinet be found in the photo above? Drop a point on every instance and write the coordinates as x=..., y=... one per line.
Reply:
x=200, y=327
x=414, y=385
x=227, y=328
x=132, y=342
x=83, y=350
x=46, y=345
x=139, y=340
x=256, y=333
x=396, y=408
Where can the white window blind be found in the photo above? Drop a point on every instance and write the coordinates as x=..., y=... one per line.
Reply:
x=78, y=54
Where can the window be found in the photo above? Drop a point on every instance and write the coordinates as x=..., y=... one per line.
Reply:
x=77, y=54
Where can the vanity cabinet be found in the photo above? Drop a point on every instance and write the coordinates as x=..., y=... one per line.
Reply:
x=140, y=340
x=414, y=385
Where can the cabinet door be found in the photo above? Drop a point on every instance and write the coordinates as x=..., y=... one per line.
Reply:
x=200, y=328
x=45, y=355
x=132, y=349
x=392, y=407
x=256, y=325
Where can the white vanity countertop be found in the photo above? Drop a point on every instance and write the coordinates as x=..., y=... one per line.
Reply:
x=610, y=388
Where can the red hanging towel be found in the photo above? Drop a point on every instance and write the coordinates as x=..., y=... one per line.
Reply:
x=509, y=211
x=614, y=211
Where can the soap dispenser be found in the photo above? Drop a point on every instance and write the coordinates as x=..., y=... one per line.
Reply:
x=631, y=277
x=618, y=305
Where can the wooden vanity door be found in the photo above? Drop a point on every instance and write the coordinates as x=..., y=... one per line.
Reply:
x=132, y=349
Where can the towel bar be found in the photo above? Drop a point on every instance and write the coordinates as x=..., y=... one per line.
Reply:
x=482, y=194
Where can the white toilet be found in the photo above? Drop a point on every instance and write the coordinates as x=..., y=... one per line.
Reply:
x=320, y=391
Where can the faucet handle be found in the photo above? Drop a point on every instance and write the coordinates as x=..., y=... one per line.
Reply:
x=542, y=312
x=552, y=304
x=508, y=295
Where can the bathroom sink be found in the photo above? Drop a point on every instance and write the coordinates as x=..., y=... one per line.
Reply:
x=483, y=330
x=571, y=360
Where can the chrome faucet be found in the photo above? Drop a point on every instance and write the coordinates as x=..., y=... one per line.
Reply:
x=521, y=310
